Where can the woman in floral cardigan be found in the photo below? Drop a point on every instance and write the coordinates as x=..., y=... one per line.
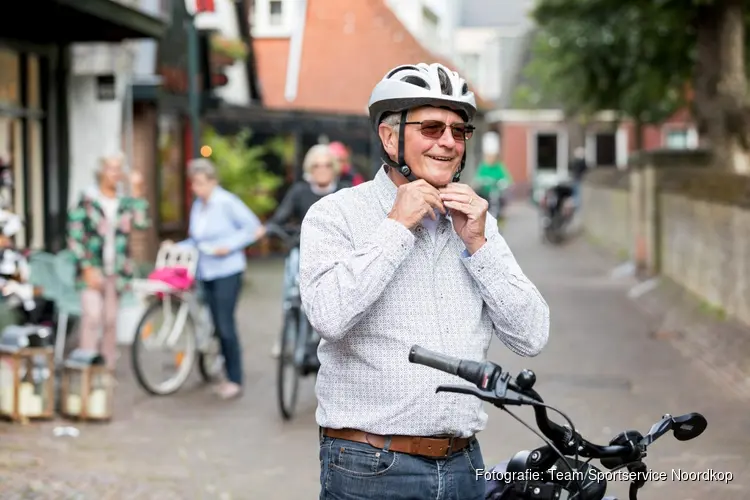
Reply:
x=99, y=229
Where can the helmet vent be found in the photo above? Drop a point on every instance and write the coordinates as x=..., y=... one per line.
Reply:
x=465, y=89
x=401, y=68
x=445, y=82
x=415, y=80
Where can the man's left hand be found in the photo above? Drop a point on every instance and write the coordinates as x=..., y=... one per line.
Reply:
x=221, y=251
x=469, y=213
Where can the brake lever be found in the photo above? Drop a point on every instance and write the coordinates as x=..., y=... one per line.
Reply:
x=488, y=396
x=497, y=398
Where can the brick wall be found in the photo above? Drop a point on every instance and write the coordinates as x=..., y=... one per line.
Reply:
x=692, y=222
x=606, y=210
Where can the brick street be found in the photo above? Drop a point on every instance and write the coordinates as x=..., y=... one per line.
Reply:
x=600, y=367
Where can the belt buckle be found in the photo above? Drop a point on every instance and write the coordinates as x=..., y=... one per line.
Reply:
x=450, y=446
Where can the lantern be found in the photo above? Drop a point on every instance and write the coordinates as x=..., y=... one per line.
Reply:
x=26, y=373
x=87, y=387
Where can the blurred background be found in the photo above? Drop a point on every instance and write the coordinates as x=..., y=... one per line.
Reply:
x=648, y=281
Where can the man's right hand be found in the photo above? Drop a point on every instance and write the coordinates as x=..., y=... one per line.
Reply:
x=415, y=200
x=93, y=278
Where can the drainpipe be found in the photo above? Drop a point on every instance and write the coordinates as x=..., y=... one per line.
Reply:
x=129, y=120
x=243, y=8
x=193, y=97
x=295, y=53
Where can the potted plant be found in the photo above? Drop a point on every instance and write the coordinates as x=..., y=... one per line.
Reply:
x=242, y=171
x=225, y=51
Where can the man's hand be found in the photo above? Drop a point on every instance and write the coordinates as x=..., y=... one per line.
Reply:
x=93, y=278
x=260, y=232
x=221, y=251
x=415, y=200
x=469, y=213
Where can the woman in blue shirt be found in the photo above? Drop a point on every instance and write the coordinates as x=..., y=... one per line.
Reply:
x=221, y=226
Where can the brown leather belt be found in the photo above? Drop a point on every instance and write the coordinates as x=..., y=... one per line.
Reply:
x=433, y=447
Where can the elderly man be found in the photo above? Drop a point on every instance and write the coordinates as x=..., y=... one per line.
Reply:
x=410, y=257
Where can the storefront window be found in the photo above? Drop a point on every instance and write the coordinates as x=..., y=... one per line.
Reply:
x=21, y=144
x=9, y=77
x=37, y=182
x=33, y=96
x=11, y=170
x=171, y=172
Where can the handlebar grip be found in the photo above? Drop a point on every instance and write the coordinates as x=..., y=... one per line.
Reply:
x=422, y=356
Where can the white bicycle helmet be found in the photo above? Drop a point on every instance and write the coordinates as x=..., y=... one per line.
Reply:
x=410, y=86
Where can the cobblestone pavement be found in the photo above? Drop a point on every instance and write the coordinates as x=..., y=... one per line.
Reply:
x=601, y=367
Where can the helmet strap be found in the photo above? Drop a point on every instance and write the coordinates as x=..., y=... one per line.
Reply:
x=402, y=166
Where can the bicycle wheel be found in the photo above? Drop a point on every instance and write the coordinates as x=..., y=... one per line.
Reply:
x=149, y=338
x=287, y=378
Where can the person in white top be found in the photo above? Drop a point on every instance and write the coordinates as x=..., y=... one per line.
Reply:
x=99, y=229
x=411, y=257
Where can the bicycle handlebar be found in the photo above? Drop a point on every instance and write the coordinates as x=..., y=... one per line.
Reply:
x=290, y=237
x=499, y=388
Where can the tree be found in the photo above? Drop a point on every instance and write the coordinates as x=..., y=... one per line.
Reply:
x=664, y=48
x=241, y=169
x=591, y=59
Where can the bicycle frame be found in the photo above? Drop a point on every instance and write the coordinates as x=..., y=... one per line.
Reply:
x=174, y=256
x=190, y=306
x=293, y=301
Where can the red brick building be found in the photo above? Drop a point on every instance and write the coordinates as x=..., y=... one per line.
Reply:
x=347, y=47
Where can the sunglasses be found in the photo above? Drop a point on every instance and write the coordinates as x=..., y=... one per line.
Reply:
x=434, y=129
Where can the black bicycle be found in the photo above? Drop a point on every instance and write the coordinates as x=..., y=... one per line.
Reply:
x=298, y=357
x=548, y=472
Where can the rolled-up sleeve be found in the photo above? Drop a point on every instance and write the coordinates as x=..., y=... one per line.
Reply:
x=340, y=280
x=519, y=313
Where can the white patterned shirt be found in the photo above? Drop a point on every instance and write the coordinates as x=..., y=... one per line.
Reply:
x=372, y=288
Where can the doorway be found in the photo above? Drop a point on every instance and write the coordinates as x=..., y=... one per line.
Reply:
x=546, y=152
x=606, y=149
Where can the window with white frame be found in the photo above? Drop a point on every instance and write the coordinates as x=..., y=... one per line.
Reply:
x=275, y=13
x=471, y=66
x=676, y=138
x=272, y=18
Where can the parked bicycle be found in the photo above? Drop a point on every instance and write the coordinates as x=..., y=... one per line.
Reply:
x=498, y=201
x=299, y=342
x=177, y=324
x=557, y=208
x=548, y=472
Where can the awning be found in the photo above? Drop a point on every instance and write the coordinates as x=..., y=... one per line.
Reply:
x=67, y=21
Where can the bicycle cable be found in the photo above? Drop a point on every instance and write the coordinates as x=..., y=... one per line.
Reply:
x=570, y=423
x=548, y=443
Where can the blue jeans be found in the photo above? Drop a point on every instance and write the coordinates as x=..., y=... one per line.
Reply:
x=577, y=193
x=358, y=471
x=221, y=297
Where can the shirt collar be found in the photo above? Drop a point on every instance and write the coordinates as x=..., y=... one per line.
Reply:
x=215, y=195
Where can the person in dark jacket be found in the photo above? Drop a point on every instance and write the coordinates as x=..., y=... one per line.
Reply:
x=321, y=171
